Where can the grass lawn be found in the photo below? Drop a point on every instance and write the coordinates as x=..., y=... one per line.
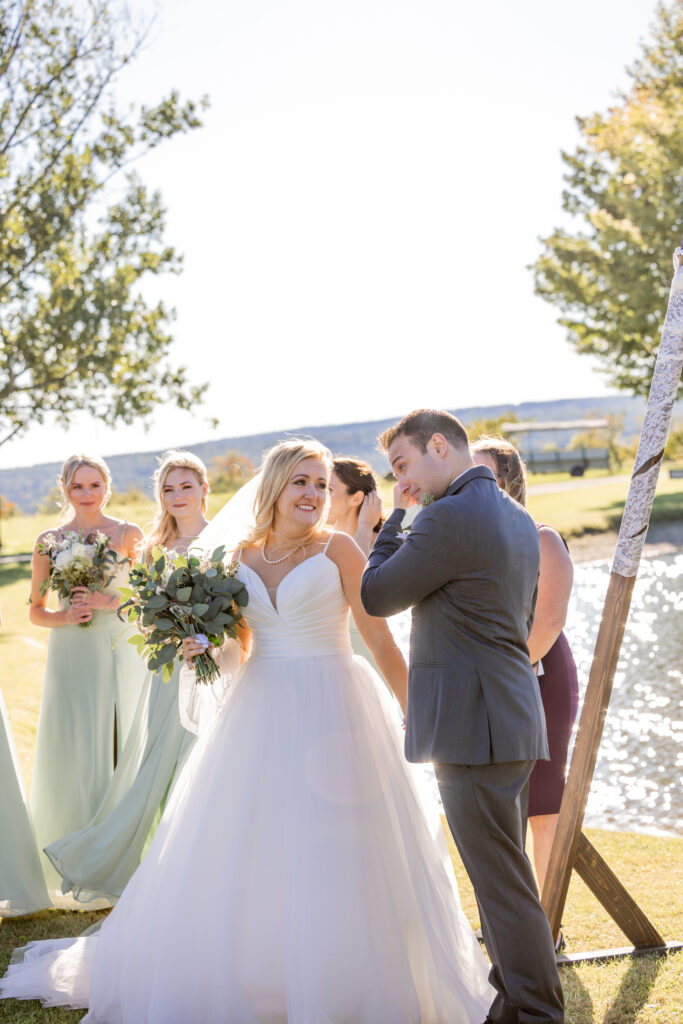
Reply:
x=595, y=509
x=642, y=990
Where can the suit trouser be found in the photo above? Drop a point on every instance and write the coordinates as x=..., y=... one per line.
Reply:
x=485, y=808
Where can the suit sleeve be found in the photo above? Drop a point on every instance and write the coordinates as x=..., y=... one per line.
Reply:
x=400, y=573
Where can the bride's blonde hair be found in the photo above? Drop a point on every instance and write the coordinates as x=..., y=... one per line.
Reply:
x=278, y=465
x=165, y=528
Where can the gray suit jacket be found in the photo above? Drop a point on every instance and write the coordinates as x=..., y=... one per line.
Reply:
x=469, y=569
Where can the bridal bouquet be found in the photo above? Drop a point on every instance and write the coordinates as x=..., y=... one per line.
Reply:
x=78, y=561
x=174, y=596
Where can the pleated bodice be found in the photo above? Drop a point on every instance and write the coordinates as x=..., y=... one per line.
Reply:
x=311, y=617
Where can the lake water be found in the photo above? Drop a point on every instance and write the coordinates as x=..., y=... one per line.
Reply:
x=637, y=780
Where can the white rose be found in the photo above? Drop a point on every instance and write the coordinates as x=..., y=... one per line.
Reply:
x=63, y=559
x=81, y=551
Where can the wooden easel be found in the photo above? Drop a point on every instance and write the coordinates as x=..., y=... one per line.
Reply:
x=571, y=850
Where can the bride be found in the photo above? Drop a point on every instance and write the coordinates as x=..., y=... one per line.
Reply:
x=298, y=875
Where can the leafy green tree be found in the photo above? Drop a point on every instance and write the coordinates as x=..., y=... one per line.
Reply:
x=75, y=329
x=611, y=277
x=490, y=425
x=607, y=437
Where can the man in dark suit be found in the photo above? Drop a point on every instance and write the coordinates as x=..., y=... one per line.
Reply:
x=469, y=570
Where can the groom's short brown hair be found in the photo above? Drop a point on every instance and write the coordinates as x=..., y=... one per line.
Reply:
x=421, y=425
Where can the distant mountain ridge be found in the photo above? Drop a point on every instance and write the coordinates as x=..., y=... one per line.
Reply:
x=27, y=486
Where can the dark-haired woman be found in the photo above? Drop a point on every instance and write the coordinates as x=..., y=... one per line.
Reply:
x=355, y=509
x=355, y=505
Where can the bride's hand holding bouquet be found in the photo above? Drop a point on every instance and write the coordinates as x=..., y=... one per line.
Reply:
x=175, y=598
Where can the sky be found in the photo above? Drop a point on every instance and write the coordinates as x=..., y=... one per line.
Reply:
x=359, y=211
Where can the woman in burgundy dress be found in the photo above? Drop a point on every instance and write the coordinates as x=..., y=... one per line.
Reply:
x=548, y=646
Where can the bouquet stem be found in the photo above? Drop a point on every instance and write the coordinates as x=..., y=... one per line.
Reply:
x=205, y=668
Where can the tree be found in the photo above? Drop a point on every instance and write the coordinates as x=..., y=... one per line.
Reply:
x=490, y=425
x=611, y=278
x=607, y=437
x=230, y=471
x=76, y=331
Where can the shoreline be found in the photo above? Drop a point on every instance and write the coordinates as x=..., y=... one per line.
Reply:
x=662, y=539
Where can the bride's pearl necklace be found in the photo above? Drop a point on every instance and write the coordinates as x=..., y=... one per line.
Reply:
x=276, y=561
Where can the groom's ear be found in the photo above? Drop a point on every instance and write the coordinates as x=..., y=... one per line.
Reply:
x=439, y=445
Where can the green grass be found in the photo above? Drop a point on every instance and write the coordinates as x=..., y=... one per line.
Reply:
x=638, y=990
x=596, y=509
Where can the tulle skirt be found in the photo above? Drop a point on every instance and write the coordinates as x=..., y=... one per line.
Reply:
x=299, y=876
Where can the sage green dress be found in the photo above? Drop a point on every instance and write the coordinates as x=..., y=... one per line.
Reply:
x=92, y=686
x=22, y=887
x=97, y=861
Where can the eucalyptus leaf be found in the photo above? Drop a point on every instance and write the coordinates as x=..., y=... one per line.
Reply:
x=165, y=624
x=166, y=654
x=183, y=594
x=199, y=609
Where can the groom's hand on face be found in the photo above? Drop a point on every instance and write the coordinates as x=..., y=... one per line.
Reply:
x=404, y=496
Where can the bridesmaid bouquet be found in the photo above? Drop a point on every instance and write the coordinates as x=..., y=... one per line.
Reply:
x=174, y=596
x=78, y=561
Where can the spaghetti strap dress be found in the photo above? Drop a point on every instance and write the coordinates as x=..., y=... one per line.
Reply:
x=299, y=875
x=97, y=861
x=91, y=688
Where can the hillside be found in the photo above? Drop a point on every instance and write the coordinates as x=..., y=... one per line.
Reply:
x=27, y=486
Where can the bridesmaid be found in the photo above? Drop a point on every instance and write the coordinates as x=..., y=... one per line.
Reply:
x=355, y=505
x=98, y=860
x=355, y=509
x=92, y=683
x=22, y=886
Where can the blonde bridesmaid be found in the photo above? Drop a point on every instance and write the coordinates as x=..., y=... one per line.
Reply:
x=93, y=678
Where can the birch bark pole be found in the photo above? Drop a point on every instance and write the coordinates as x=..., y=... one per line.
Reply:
x=634, y=524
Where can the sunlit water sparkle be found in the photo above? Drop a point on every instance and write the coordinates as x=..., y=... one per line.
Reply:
x=637, y=781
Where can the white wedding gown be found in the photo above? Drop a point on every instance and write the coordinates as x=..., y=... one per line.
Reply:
x=298, y=875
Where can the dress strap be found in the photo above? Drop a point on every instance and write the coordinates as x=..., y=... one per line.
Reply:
x=328, y=543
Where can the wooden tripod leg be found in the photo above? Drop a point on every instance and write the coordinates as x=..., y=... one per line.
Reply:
x=567, y=835
x=616, y=900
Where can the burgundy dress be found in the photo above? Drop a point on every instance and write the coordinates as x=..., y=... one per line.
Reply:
x=559, y=688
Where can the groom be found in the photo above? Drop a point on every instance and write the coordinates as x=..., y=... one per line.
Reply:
x=469, y=570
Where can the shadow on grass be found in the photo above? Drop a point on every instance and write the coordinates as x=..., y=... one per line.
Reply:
x=13, y=572
x=634, y=990
x=666, y=508
x=578, y=1003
